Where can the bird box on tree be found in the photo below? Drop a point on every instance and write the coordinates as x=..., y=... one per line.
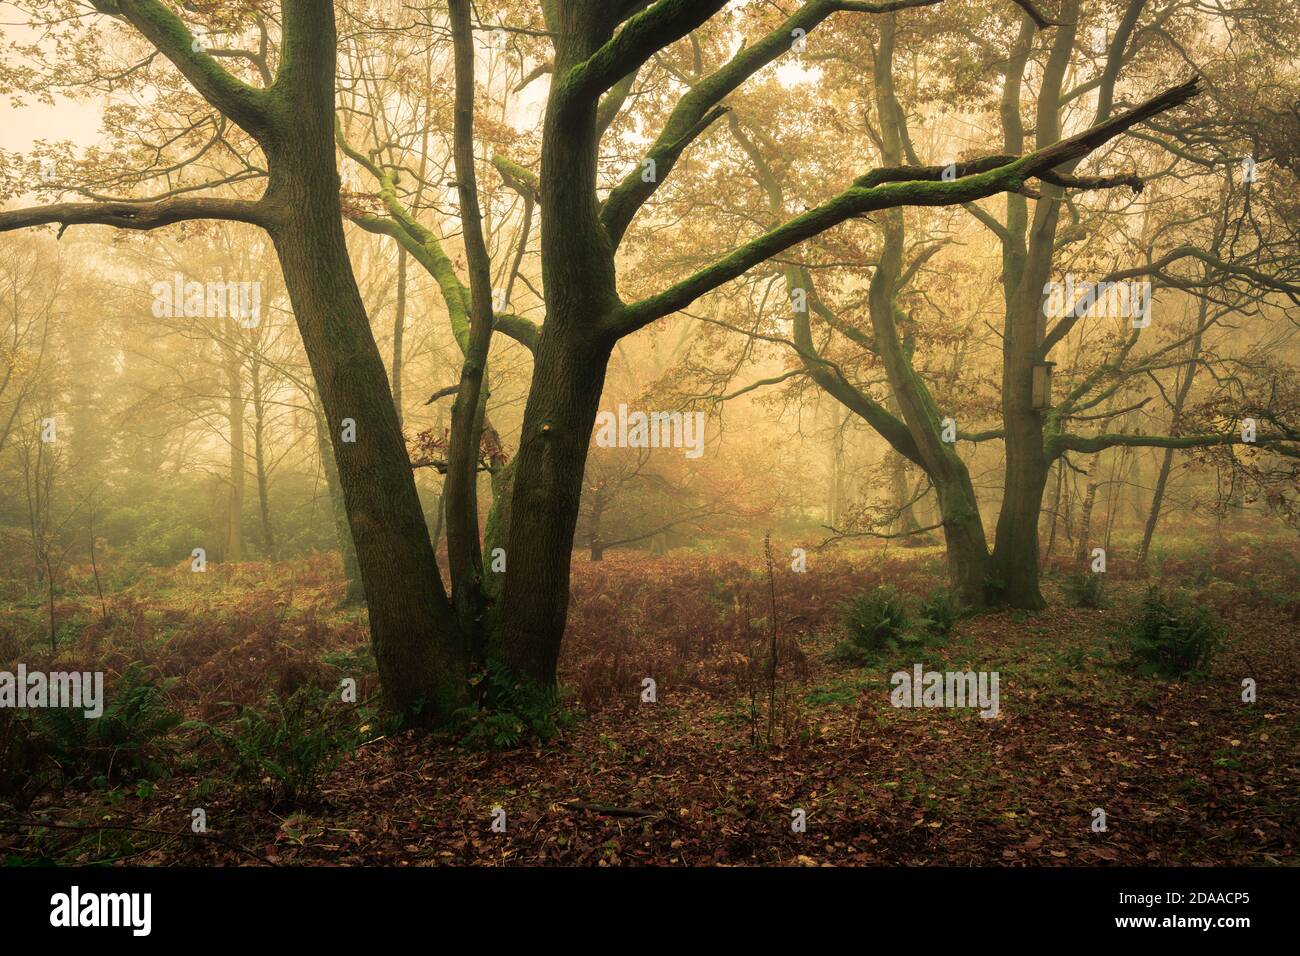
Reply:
x=1041, y=397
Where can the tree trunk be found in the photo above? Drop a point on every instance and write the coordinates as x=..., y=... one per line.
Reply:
x=573, y=352
x=417, y=644
x=906, y=522
x=963, y=527
x=966, y=547
x=1014, y=566
x=594, y=540
x=259, y=462
x=1056, y=514
x=464, y=544
x=1180, y=402
x=1015, y=563
x=1026, y=264
x=233, y=546
x=556, y=434
x=1157, y=502
x=496, y=530
x=399, y=327
x=355, y=593
x=1085, y=513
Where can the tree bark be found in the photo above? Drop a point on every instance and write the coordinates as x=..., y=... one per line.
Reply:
x=572, y=358
x=1085, y=512
x=1014, y=564
x=556, y=434
x=464, y=547
x=417, y=644
x=1027, y=262
x=963, y=527
x=355, y=593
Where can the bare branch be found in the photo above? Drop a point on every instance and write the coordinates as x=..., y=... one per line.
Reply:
x=134, y=215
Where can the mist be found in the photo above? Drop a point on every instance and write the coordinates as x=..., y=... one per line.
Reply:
x=599, y=434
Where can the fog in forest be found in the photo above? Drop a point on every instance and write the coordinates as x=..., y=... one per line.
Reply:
x=655, y=392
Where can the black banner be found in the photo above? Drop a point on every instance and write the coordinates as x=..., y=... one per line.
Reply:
x=332, y=906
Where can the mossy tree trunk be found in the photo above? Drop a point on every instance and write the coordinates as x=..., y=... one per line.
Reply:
x=355, y=593
x=417, y=643
x=420, y=647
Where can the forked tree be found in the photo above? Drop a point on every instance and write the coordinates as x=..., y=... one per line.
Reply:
x=1259, y=269
x=421, y=638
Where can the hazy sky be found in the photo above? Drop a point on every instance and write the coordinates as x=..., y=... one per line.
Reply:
x=66, y=120
x=78, y=122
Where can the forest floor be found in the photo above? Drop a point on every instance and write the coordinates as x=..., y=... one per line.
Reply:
x=710, y=772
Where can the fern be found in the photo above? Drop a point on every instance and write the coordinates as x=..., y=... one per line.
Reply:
x=1084, y=589
x=513, y=711
x=1172, y=637
x=284, y=753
